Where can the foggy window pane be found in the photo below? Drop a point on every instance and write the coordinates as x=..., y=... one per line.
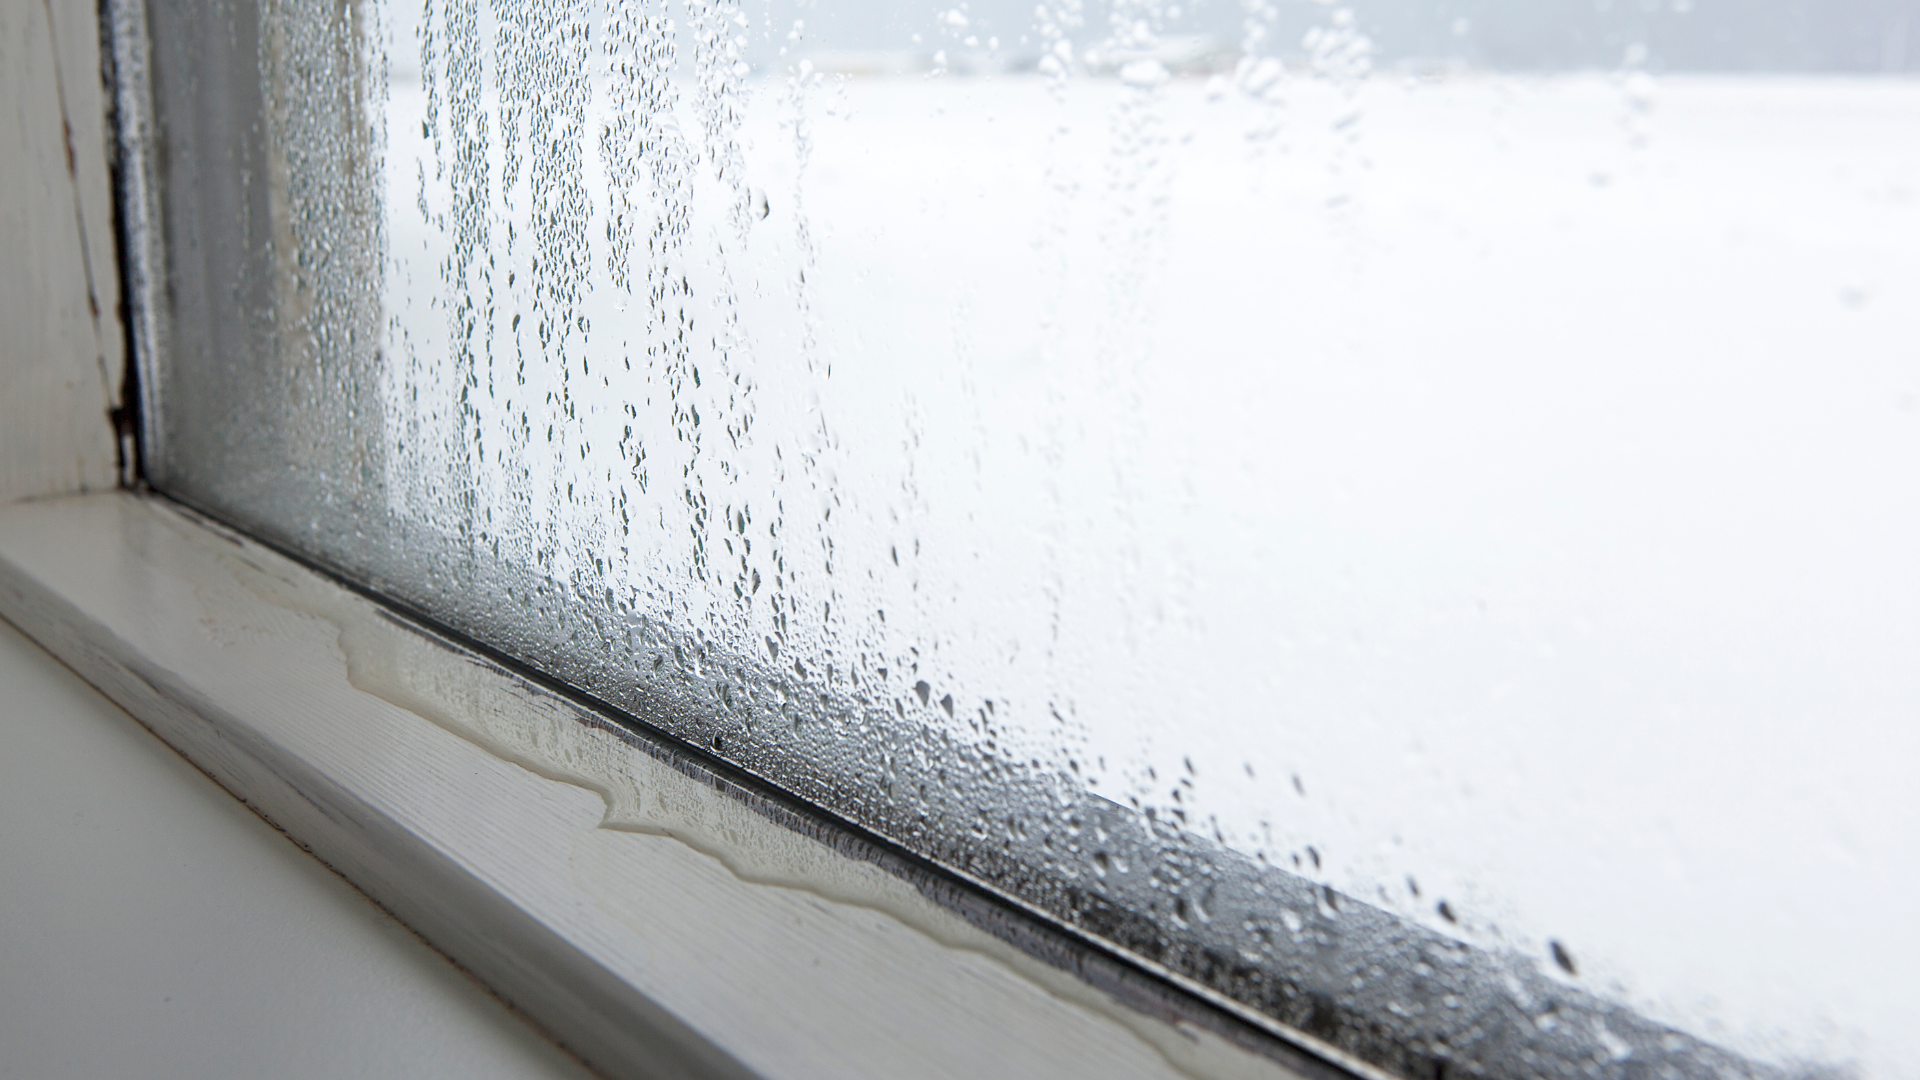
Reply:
x=1191, y=459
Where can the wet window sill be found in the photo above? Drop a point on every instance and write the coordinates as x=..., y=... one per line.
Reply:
x=652, y=915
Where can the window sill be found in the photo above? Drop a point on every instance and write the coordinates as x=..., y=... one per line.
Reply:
x=131, y=887
x=654, y=915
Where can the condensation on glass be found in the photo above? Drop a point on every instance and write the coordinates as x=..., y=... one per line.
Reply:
x=1401, y=513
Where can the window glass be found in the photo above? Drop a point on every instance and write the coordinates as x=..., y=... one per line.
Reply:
x=1309, y=493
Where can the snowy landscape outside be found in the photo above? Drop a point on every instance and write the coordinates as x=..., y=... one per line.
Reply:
x=1478, y=472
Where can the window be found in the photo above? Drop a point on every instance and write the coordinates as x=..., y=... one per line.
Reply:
x=1395, y=516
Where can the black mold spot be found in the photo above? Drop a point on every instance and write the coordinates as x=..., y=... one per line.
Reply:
x=1562, y=957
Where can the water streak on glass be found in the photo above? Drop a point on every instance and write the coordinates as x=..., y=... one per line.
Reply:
x=1400, y=513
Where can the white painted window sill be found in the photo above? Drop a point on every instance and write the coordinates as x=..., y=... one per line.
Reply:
x=151, y=926
x=654, y=916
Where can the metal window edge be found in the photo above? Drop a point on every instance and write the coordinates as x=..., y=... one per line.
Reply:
x=139, y=236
